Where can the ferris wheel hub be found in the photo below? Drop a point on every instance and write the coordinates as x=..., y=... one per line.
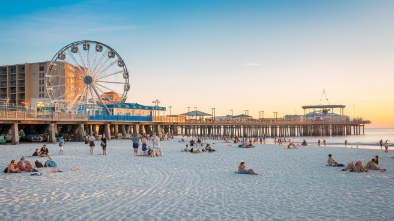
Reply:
x=87, y=80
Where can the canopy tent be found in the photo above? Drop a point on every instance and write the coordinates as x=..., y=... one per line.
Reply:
x=196, y=113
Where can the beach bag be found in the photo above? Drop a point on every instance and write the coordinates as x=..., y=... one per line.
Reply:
x=38, y=164
x=6, y=170
x=50, y=163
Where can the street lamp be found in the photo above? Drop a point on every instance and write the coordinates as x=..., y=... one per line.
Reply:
x=196, y=113
x=261, y=114
x=156, y=102
x=188, y=112
x=213, y=114
x=232, y=114
x=246, y=111
x=170, y=109
x=275, y=115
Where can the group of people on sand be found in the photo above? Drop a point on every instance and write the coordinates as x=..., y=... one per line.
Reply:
x=43, y=152
x=26, y=166
x=148, y=151
x=386, y=145
x=22, y=166
x=358, y=166
x=89, y=140
x=198, y=148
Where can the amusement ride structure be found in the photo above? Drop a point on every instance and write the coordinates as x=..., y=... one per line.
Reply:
x=87, y=73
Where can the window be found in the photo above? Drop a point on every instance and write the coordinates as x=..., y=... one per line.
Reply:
x=13, y=70
x=22, y=69
x=41, y=68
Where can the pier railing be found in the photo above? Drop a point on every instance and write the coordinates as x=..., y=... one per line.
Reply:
x=41, y=116
x=6, y=115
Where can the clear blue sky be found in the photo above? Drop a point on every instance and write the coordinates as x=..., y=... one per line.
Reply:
x=241, y=55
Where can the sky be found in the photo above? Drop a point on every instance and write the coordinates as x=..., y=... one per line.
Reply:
x=255, y=55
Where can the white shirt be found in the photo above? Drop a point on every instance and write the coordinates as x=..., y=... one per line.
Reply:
x=156, y=141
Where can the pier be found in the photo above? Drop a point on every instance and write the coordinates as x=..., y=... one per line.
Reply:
x=75, y=126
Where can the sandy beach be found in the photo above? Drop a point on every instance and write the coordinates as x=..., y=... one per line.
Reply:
x=293, y=184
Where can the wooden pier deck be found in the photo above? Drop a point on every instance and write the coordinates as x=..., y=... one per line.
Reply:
x=80, y=124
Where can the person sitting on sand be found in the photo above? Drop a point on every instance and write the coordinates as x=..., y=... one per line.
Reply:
x=377, y=160
x=196, y=149
x=304, y=143
x=371, y=165
x=291, y=144
x=21, y=164
x=149, y=152
x=44, y=152
x=25, y=165
x=331, y=161
x=242, y=169
x=12, y=168
x=186, y=149
x=208, y=148
x=358, y=167
x=36, y=153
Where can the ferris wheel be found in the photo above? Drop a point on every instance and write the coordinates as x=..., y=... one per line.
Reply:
x=87, y=73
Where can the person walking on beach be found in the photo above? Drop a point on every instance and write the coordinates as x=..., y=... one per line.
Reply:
x=386, y=147
x=104, y=144
x=135, y=141
x=324, y=142
x=345, y=143
x=156, y=144
x=381, y=143
x=87, y=139
x=318, y=143
x=61, y=144
x=91, y=143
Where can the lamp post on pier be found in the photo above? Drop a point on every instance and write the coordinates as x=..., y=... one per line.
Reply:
x=170, y=109
x=275, y=115
x=232, y=114
x=188, y=111
x=213, y=114
x=196, y=113
x=246, y=114
x=156, y=102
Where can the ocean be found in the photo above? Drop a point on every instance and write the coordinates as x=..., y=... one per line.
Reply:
x=369, y=140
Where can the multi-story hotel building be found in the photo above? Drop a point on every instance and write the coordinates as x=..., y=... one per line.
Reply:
x=20, y=83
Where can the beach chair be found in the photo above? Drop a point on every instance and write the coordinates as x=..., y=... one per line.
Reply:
x=2, y=140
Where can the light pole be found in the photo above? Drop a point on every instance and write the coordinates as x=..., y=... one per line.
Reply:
x=246, y=111
x=275, y=115
x=188, y=111
x=232, y=114
x=261, y=114
x=213, y=114
x=196, y=113
x=156, y=102
x=170, y=109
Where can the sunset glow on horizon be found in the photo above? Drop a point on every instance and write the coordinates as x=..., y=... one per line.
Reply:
x=271, y=56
